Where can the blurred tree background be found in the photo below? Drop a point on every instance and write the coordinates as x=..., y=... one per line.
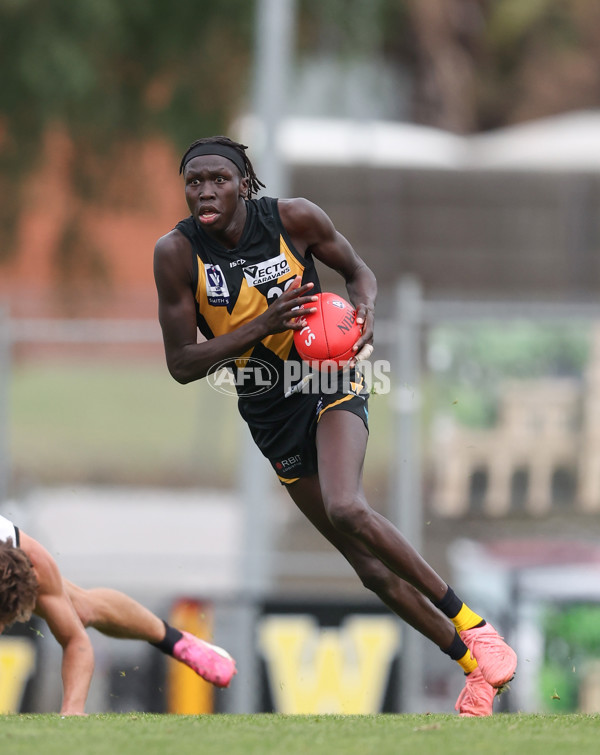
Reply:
x=107, y=74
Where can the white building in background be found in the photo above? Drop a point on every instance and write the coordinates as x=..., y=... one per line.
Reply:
x=566, y=142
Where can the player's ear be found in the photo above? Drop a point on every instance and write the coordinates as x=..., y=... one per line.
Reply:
x=244, y=184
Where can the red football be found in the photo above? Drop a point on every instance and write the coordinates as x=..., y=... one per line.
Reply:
x=330, y=332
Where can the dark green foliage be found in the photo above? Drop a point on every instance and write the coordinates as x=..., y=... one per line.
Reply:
x=109, y=73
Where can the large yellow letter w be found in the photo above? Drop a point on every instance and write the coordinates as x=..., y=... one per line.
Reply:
x=328, y=670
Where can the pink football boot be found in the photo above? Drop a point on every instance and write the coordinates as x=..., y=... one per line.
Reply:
x=496, y=659
x=212, y=663
x=476, y=697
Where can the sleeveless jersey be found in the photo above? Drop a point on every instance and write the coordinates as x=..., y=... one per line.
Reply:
x=233, y=286
x=9, y=530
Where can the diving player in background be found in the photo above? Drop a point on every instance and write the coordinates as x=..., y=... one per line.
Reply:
x=30, y=582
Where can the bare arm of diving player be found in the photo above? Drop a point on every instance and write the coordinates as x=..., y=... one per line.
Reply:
x=55, y=606
x=187, y=359
x=311, y=230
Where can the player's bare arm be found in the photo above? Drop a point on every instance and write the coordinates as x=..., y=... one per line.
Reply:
x=312, y=230
x=55, y=607
x=187, y=359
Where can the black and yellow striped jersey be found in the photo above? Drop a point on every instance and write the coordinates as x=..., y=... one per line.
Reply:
x=233, y=286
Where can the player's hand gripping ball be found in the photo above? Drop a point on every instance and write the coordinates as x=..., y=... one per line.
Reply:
x=329, y=333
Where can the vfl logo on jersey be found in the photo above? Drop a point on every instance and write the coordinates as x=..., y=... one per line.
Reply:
x=216, y=286
x=266, y=271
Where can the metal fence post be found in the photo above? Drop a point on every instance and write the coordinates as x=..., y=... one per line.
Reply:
x=405, y=505
x=275, y=27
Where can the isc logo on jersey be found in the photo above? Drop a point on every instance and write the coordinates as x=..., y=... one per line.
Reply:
x=266, y=271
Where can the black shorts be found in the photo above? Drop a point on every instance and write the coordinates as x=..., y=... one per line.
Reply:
x=287, y=438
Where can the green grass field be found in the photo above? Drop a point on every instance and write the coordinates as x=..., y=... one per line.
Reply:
x=271, y=734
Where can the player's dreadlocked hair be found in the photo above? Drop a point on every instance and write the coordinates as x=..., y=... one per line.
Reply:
x=239, y=152
x=18, y=584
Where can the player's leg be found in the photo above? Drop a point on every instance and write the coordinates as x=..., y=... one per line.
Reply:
x=341, y=440
x=117, y=615
x=402, y=598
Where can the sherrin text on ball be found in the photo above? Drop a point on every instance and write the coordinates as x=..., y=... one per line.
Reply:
x=329, y=333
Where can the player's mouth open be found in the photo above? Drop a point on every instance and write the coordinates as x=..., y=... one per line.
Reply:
x=208, y=216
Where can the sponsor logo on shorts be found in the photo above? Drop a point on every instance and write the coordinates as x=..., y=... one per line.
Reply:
x=266, y=271
x=285, y=465
x=251, y=377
